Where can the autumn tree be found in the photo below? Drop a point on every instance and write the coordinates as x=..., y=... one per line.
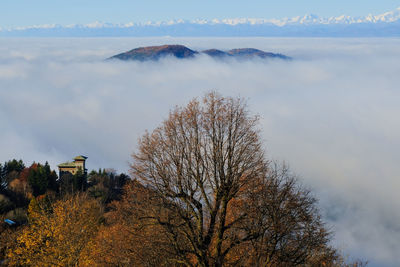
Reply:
x=284, y=220
x=207, y=167
x=8, y=237
x=58, y=233
x=9, y=171
x=13, y=184
x=106, y=184
x=20, y=185
x=128, y=240
x=197, y=162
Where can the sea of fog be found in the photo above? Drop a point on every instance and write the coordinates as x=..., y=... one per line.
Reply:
x=332, y=114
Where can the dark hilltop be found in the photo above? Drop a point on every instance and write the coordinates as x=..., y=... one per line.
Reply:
x=153, y=53
x=156, y=52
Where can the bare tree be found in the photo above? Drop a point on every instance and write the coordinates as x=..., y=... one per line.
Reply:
x=197, y=161
x=217, y=196
x=284, y=220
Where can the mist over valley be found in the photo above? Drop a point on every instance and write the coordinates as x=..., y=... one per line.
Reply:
x=331, y=113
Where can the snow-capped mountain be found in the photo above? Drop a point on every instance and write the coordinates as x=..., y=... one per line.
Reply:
x=386, y=24
x=309, y=19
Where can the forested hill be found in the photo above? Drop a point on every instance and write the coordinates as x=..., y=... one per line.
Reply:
x=179, y=51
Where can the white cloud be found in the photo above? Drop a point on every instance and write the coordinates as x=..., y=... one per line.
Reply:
x=332, y=114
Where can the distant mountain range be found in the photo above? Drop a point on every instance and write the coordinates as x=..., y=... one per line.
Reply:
x=383, y=25
x=180, y=51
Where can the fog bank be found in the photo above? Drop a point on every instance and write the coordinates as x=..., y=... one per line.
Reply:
x=332, y=114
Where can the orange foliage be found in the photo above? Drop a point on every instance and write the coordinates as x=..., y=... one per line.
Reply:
x=128, y=239
x=59, y=236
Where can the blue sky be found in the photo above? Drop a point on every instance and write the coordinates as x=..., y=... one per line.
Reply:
x=15, y=13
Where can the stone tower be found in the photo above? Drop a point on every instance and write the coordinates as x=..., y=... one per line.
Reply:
x=73, y=167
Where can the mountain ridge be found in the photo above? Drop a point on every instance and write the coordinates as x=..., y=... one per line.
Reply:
x=154, y=53
x=385, y=24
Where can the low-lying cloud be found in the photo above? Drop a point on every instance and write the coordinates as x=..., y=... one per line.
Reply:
x=332, y=114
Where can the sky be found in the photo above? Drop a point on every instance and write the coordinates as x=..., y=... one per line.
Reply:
x=332, y=114
x=18, y=13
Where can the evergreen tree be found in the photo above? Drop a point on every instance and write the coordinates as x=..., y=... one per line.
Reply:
x=2, y=180
x=51, y=177
x=80, y=180
x=38, y=180
x=66, y=183
x=10, y=171
x=13, y=165
x=41, y=178
x=73, y=183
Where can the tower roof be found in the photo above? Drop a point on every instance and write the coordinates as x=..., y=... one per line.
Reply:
x=67, y=164
x=80, y=157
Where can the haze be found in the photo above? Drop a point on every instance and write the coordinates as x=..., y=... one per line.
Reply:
x=332, y=114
